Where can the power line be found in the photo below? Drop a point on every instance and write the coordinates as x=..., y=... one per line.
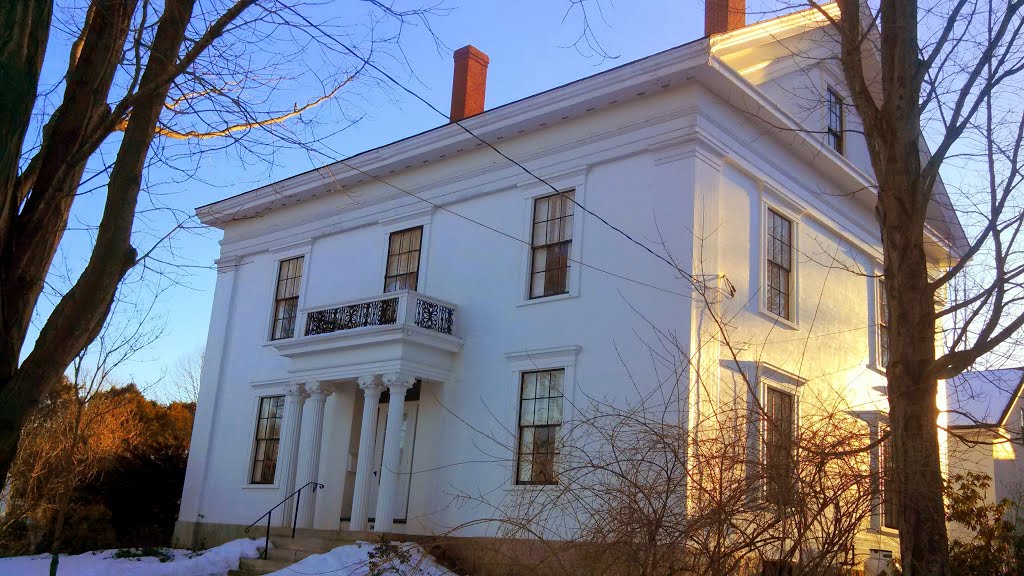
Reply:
x=502, y=232
x=412, y=93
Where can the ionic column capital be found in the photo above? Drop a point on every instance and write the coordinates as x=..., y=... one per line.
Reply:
x=397, y=380
x=371, y=384
x=319, y=390
x=296, y=391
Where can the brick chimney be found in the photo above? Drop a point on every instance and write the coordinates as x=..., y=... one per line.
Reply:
x=721, y=16
x=469, y=84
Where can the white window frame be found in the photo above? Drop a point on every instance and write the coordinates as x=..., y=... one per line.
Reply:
x=831, y=88
x=766, y=376
x=279, y=255
x=564, y=183
x=420, y=218
x=876, y=357
x=771, y=200
x=260, y=392
x=532, y=360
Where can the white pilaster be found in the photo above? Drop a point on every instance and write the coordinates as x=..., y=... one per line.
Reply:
x=294, y=399
x=397, y=385
x=372, y=388
x=312, y=436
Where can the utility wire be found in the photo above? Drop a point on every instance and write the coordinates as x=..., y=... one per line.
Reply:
x=412, y=93
x=502, y=232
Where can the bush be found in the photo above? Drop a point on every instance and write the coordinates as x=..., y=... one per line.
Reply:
x=997, y=547
x=160, y=554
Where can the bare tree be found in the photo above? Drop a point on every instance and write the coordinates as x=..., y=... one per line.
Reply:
x=944, y=73
x=140, y=76
x=83, y=424
x=186, y=374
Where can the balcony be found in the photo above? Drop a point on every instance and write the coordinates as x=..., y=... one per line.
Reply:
x=403, y=327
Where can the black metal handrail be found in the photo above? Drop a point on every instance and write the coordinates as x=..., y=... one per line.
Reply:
x=295, y=517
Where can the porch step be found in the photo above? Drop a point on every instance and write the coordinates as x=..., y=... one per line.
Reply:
x=256, y=567
x=286, y=550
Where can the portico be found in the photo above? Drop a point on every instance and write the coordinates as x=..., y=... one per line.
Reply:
x=360, y=352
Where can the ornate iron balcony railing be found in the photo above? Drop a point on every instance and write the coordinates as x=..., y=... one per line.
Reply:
x=405, y=307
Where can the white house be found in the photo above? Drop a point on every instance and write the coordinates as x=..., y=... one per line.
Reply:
x=379, y=322
x=986, y=421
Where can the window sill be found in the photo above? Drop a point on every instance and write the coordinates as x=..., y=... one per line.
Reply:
x=875, y=367
x=542, y=299
x=268, y=342
x=778, y=320
x=514, y=487
x=260, y=486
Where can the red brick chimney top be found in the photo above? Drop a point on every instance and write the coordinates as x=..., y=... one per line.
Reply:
x=469, y=84
x=721, y=16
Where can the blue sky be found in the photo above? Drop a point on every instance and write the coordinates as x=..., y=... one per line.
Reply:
x=530, y=47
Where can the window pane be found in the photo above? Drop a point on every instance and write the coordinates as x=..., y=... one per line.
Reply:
x=552, y=241
x=779, y=254
x=286, y=300
x=526, y=412
x=401, y=271
x=530, y=385
x=267, y=441
x=540, y=420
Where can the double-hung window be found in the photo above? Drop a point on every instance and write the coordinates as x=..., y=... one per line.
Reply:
x=779, y=265
x=286, y=298
x=836, y=119
x=887, y=485
x=540, y=417
x=551, y=242
x=268, y=440
x=779, y=446
x=883, y=325
x=403, y=266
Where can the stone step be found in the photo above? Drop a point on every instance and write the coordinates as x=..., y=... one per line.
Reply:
x=310, y=543
x=257, y=567
x=293, y=555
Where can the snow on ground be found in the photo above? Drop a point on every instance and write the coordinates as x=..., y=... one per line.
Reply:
x=213, y=562
x=354, y=560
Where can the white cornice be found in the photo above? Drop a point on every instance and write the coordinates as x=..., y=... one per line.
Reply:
x=615, y=85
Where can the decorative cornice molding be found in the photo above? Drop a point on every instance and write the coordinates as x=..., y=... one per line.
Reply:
x=696, y=144
x=568, y=353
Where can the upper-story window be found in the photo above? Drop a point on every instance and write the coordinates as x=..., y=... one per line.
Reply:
x=403, y=267
x=883, y=325
x=540, y=417
x=551, y=242
x=779, y=263
x=268, y=439
x=836, y=120
x=286, y=298
x=779, y=446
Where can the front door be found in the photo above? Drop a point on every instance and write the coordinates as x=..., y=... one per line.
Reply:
x=408, y=443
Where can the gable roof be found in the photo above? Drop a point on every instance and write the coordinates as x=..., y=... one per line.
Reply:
x=983, y=398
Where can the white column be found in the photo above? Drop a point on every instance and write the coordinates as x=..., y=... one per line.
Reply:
x=372, y=388
x=295, y=396
x=397, y=386
x=312, y=435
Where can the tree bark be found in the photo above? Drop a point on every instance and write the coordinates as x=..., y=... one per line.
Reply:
x=892, y=129
x=80, y=314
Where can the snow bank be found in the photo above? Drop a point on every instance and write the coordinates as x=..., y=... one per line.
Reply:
x=213, y=562
x=353, y=560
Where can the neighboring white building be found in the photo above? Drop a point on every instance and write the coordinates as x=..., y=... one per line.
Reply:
x=441, y=273
x=986, y=423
